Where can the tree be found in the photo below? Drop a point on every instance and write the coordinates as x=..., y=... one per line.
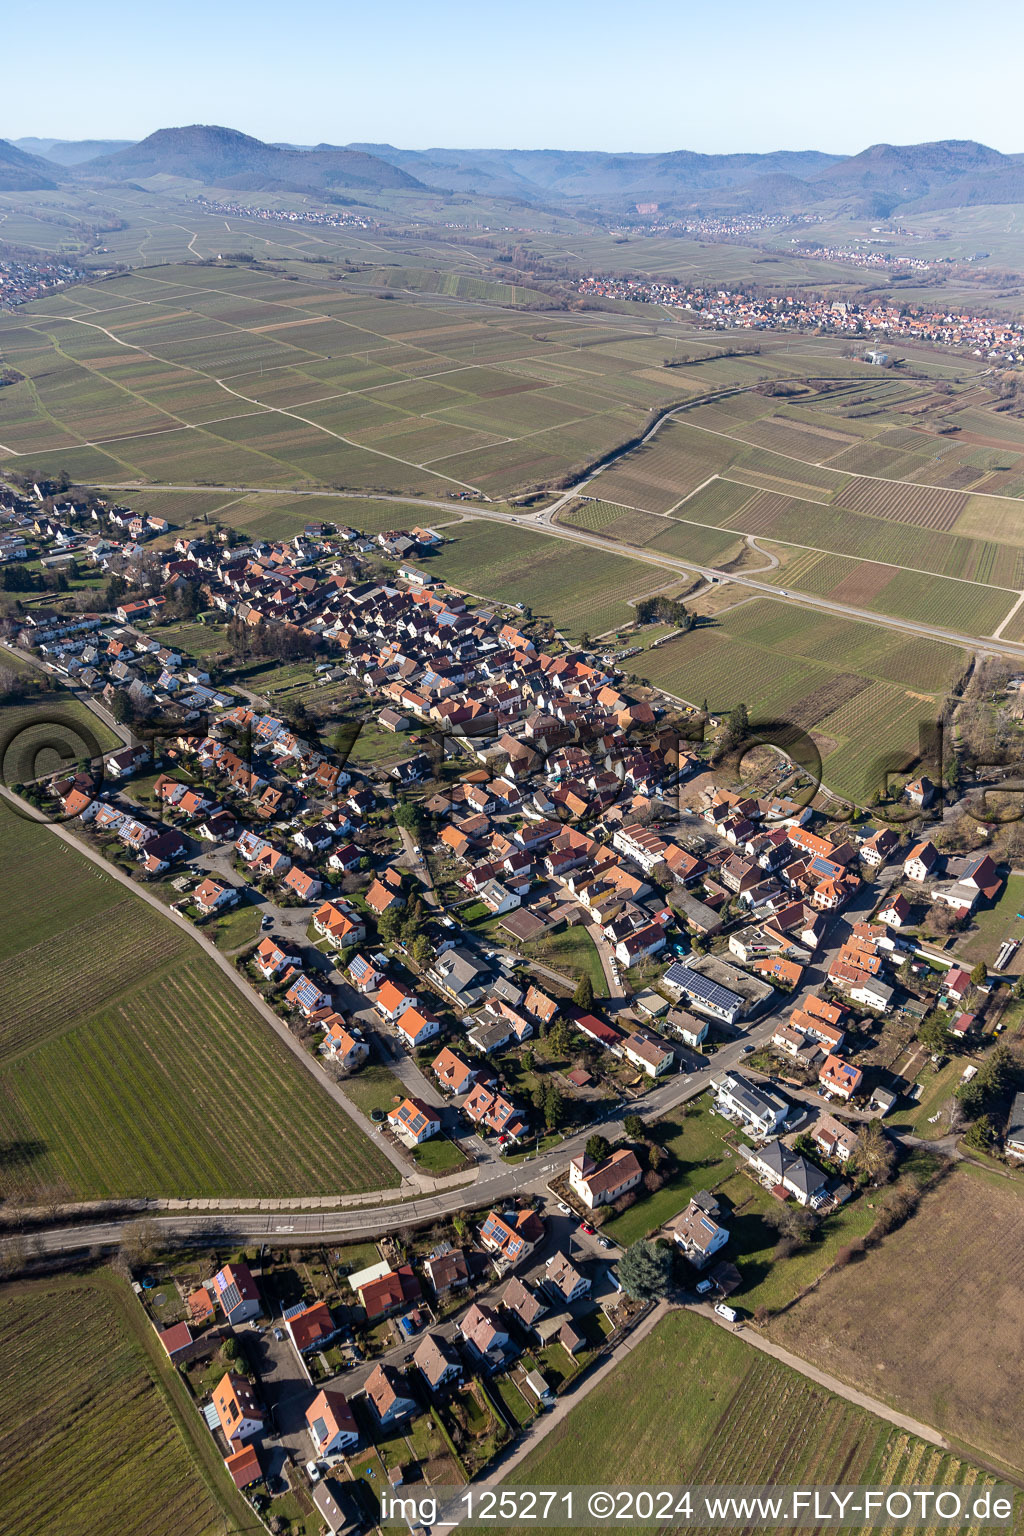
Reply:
x=979, y=975
x=388, y=925
x=634, y=1127
x=876, y=1157
x=980, y=1135
x=121, y=707
x=583, y=997
x=114, y=591
x=553, y=1107
x=408, y=815
x=560, y=1038
x=645, y=1270
x=794, y=1225
x=422, y=951
x=933, y=1032
x=597, y=1148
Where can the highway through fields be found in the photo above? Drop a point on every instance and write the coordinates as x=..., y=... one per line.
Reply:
x=540, y=522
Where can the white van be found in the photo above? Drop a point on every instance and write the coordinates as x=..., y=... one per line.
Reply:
x=729, y=1313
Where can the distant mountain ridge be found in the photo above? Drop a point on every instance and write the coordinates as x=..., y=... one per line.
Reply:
x=71, y=151
x=20, y=172
x=882, y=180
x=223, y=157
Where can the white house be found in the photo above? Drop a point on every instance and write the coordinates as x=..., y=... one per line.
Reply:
x=601, y=1183
x=760, y=1109
x=697, y=1232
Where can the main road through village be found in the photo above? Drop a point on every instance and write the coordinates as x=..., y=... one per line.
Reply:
x=420, y=1200
x=292, y=1220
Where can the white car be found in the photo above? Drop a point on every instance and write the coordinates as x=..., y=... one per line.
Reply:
x=312, y=1471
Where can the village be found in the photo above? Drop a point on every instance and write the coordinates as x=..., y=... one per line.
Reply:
x=521, y=915
x=722, y=308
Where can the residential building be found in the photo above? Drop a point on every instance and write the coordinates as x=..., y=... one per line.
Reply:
x=437, y=1362
x=833, y=1139
x=239, y=1413
x=703, y=994
x=236, y=1292
x=414, y=1122
x=840, y=1077
x=331, y=1423
x=787, y=1173
x=453, y=1071
x=647, y=1052
x=563, y=1281
x=756, y=1106
x=310, y=1327
x=389, y=1293
x=697, y=1232
x=389, y=1395
x=485, y=1334
x=605, y=1182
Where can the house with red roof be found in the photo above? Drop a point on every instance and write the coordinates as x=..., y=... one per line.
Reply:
x=415, y=1026
x=393, y=999
x=840, y=1077
x=390, y=1293
x=311, y=1328
x=339, y=924
x=331, y=1423
x=214, y=896
x=453, y=1071
x=244, y=1467
x=239, y=1413
x=414, y=1122
x=236, y=1292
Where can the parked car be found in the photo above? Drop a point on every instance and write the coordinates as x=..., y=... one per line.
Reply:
x=703, y=1286
x=586, y=1227
x=729, y=1313
x=312, y=1471
x=279, y=1335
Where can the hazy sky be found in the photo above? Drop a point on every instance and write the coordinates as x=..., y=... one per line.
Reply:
x=754, y=74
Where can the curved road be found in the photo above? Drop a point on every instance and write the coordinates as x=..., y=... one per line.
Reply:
x=539, y=523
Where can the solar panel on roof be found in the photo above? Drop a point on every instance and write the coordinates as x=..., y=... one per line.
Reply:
x=702, y=986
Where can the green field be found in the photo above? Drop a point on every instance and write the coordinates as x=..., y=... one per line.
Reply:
x=98, y=1432
x=128, y=1066
x=47, y=734
x=579, y=589
x=862, y=694
x=726, y=1414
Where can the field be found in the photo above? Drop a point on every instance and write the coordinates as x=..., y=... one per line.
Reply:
x=993, y=922
x=930, y=1319
x=97, y=1428
x=579, y=589
x=47, y=734
x=225, y=376
x=862, y=694
x=128, y=1067
x=725, y=1414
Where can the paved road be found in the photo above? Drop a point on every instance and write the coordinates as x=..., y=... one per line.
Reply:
x=662, y=561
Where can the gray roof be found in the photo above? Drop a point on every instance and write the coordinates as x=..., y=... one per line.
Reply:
x=1015, y=1123
x=751, y=1096
x=796, y=1170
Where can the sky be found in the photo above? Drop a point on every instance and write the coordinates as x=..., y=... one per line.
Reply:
x=663, y=74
